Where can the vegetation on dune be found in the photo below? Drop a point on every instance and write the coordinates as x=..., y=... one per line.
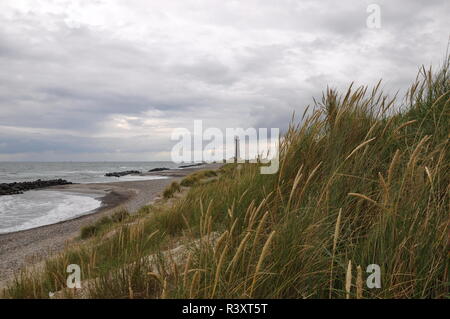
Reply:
x=195, y=178
x=171, y=190
x=357, y=185
x=103, y=223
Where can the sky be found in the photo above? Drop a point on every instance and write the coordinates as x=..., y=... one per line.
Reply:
x=94, y=80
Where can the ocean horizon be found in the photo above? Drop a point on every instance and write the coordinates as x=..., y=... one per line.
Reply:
x=75, y=172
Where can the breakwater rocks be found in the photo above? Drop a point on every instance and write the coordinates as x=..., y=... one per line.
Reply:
x=119, y=174
x=20, y=187
x=159, y=169
x=191, y=165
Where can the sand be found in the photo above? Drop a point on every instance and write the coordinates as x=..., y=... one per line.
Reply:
x=27, y=247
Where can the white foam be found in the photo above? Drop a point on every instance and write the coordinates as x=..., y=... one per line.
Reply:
x=38, y=208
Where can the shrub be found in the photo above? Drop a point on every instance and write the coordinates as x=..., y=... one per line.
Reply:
x=195, y=178
x=207, y=173
x=92, y=230
x=103, y=221
x=89, y=231
x=190, y=180
x=120, y=215
x=171, y=190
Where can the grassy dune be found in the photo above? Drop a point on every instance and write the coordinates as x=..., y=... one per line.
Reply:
x=359, y=183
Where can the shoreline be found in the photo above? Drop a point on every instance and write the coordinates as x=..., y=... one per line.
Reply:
x=108, y=201
x=23, y=248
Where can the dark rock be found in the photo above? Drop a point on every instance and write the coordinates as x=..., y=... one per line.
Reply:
x=18, y=188
x=119, y=174
x=190, y=165
x=159, y=169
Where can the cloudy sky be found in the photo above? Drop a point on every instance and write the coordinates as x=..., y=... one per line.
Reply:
x=94, y=80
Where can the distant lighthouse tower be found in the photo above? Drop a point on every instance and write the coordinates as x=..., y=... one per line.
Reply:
x=236, y=149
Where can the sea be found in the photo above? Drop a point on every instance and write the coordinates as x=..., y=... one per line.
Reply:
x=36, y=208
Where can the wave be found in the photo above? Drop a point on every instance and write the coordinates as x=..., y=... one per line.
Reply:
x=38, y=208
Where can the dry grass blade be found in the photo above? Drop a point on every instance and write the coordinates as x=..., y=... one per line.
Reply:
x=359, y=146
x=363, y=197
x=335, y=240
x=348, y=280
x=359, y=283
x=264, y=252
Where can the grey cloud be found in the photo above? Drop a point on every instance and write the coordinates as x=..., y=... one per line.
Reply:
x=232, y=64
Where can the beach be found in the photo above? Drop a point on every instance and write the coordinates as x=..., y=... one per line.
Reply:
x=24, y=248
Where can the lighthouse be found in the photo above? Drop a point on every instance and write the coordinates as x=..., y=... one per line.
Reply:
x=236, y=149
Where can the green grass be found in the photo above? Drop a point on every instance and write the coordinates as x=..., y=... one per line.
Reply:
x=195, y=178
x=189, y=181
x=358, y=181
x=171, y=190
x=103, y=223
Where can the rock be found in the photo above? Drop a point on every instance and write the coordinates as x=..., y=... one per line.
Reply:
x=20, y=187
x=190, y=165
x=159, y=169
x=119, y=174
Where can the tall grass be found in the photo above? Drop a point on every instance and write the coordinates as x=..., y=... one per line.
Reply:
x=362, y=181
